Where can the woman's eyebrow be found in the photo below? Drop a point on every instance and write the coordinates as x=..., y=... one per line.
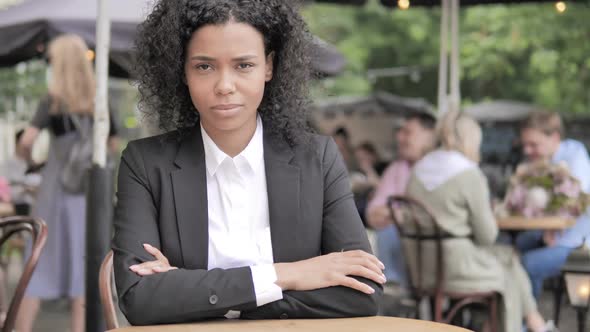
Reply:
x=238, y=58
x=244, y=57
x=202, y=58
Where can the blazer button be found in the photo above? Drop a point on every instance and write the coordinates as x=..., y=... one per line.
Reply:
x=284, y=316
x=213, y=299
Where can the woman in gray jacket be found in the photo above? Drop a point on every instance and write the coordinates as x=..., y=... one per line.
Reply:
x=450, y=183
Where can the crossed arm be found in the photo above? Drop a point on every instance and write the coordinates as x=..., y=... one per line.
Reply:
x=344, y=282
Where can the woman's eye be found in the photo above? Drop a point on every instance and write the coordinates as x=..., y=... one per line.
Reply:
x=203, y=67
x=245, y=66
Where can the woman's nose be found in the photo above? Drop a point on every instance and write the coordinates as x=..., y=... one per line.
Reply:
x=225, y=85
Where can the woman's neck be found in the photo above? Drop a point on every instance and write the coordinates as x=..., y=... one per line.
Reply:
x=232, y=142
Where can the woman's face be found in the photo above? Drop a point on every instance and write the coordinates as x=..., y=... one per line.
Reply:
x=226, y=70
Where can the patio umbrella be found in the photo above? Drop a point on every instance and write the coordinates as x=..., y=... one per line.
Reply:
x=510, y=111
x=394, y=3
x=25, y=29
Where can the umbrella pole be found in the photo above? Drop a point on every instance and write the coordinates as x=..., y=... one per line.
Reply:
x=100, y=189
x=443, y=66
x=449, y=100
x=455, y=99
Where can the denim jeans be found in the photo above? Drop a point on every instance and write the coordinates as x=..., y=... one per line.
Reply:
x=389, y=251
x=539, y=261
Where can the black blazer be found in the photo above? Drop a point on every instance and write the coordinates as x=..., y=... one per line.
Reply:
x=162, y=200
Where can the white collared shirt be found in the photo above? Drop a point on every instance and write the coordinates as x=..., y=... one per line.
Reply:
x=239, y=228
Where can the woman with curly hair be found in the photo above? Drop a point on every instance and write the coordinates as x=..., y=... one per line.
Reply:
x=237, y=211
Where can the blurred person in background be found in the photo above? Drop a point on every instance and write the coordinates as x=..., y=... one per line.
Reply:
x=371, y=168
x=23, y=178
x=18, y=183
x=450, y=183
x=414, y=139
x=342, y=139
x=68, y=105
x=544, y=253
x=369, y=162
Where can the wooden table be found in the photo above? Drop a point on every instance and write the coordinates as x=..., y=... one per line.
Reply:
x=369, y=324
x=546, y=223
x=6, y=209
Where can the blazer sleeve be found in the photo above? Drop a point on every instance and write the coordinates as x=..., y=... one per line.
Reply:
x=342, y=230
x=176, y=296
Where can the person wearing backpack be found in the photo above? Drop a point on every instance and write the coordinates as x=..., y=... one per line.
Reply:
x=67, y=112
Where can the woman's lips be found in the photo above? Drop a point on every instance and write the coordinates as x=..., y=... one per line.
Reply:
x=226, y=107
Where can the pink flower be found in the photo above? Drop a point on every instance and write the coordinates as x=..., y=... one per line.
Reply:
x=569, y=188
x=534, y=187
x=530, y=212
x=538, y=198
x=516, y=197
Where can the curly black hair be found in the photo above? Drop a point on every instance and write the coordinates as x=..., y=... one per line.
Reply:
x=160, y=54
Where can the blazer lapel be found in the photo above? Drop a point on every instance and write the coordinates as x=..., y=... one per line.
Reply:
x=282, y=182
x=189, y=184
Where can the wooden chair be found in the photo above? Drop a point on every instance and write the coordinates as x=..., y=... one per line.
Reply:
x=420, y=232
x=38, y=230
x=106, y=293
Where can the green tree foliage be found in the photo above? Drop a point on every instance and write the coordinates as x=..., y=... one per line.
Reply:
x=525, y=52
x=26, y=81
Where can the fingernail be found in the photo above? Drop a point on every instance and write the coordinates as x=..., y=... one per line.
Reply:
x=381, y=265
x=371, y=290
x=145, y=245
x=133, y=268
x=383, y=280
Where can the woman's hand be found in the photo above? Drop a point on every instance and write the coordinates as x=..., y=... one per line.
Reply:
x=550, y=238
x=379, y=217
x=160, y=265
x=334, y=269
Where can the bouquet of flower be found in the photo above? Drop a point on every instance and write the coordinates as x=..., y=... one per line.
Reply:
x=542, y=189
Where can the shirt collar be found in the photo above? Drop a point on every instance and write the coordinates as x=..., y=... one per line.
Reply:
x=252, y=155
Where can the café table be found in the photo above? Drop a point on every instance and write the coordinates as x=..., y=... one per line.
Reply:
x=6, y=209
x=369, y=324
x=514, y=223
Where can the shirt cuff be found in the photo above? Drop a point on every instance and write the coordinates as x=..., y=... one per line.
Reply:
x=264, y=278
x=233, y=314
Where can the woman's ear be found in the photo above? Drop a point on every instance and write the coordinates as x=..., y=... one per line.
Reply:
x=269, y=66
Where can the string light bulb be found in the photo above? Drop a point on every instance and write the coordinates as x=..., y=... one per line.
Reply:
x=90, y=55
x=560, y=6
x=403, y=4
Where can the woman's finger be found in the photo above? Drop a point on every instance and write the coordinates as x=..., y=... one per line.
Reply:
x=363, y=261
x=155, y=252
x=355, y=284
x=363, y=254
x=144, y=272
x=147, y=265
x=161, y=269
x=361, y=271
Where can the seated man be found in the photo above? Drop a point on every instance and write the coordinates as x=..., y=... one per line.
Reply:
x=544, y=253
x=414, y=139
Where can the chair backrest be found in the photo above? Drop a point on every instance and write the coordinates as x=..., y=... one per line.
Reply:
x=422, y=240
x=106, y=293
x=38, y=230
